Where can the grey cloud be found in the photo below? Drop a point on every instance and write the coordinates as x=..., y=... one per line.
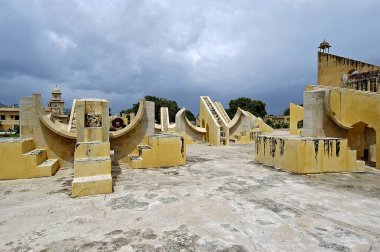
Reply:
x=123, y=50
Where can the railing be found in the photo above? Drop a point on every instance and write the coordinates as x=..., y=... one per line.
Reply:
x=367, y=81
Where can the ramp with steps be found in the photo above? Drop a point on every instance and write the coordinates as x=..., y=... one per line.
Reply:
x=20, y=160
x=222, y=111
x=161, y=151
x=73, y=118
x=217, y=132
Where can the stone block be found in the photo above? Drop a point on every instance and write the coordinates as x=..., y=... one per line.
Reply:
x=84, y=186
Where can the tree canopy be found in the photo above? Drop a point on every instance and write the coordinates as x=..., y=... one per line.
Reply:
x=190, y=116
x=256, y=107
x=286, y=112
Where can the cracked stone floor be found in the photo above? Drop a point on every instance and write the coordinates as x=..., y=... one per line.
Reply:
x=220, y=201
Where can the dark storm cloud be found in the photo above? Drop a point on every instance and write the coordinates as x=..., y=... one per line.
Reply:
x=123, y=50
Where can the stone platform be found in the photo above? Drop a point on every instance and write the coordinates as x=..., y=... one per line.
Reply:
x=220, y=200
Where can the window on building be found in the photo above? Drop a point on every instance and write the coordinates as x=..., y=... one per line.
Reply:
x=55, y=105
x=11, y=116
x=2, y=117
x=17, y=117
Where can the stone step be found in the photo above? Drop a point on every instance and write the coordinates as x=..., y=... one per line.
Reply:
x=49, y=167
x=134, y=157
x=92, y=166
x=90, y=185
x=143, y=147
x=36, y=156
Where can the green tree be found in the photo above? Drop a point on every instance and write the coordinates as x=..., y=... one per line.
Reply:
x=256, y=107
x=190, y=116
x=158, y=103
x=286, y=112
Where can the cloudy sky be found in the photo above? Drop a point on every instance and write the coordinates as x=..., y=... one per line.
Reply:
x=124, y=50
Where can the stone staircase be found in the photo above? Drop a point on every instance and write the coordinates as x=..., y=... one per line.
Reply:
x=73, y=118
x=222, y=111
x=141, y=149
x=212, y=108
x=160, y=151
x=21, y=160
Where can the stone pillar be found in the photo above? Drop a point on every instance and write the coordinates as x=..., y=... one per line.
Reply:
x=150, y=111
x=164, y=115
x=313, y=113
x=377, y=149
x=92, y=162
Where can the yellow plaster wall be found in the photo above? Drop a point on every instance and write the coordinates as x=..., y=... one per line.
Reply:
x=351, y=107
x=16, y=161
x=190, y=132
x=32, y=127
x=208, y=121
x=127, y=143
x=307, y=155
x=296, y=115
x=331, y=67
x=164, y=151
x=92, y=163
x=265, y=128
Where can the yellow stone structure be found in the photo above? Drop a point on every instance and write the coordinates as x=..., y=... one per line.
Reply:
x=221, y=130
x=19, y=159
x=187, y=130
x=345, y=107
x=85, y=144
x=216, y=126
x=151, y=155
x=214, y=122
x=165, y=125
x=307, y=155
x=332, y=67
x=296, y=115
x=92, y=162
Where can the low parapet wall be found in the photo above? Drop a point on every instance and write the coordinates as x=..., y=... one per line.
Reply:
x=306, y=154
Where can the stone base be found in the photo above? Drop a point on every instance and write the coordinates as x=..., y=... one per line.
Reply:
x=91, y=185
x=306, y=154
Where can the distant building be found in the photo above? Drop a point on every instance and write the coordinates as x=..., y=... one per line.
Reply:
x=277, y=119
x=9, y=118
x=56, y=106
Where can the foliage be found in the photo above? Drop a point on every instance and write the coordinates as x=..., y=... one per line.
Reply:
x=190, y=116
x=286, y=112
x=158, y=103
x=256, y=107
x=277, y=125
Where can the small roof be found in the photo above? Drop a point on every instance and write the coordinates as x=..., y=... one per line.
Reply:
x=56, y=90
x=324, y=44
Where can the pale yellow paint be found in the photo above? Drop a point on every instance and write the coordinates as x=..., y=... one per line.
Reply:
x=19, y=159
x=307, y=155
x=331, y=67
x=160, y=151
x=296, y=115
x=212, y=122
x=92, y=162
